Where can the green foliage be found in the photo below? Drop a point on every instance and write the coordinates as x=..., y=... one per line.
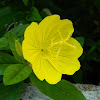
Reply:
x=3, y=68
x=3, y=42
x=63, y=90
x=7, y=59
x=10, y=92
x=34, y=15
x=78, y=76
x=80, y=40
x=11, y=39
x=25, y=2
x=18, y=32
x=1, y=77
x=9, y=16
x=18, y=48
x=16, y=73
x=16, y=15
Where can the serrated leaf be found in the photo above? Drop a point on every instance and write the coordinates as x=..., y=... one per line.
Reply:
x=11, y=39
x=16, y=73
x=34, y=15
x=80, y=40
x=10, y=92
x=63, y=90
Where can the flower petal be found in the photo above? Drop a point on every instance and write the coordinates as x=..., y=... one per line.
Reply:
x=46, y=25
x=29, y=51
x=66, y=65
x=43, y=69
x=30, y=34
x=37, y=66
x=79, y=49
x=65, y=59
x=63, y=50
x=52, y=75
x=52, y=28
x=61, y=32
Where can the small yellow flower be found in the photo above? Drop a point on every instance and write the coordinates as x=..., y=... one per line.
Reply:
x=50, y=48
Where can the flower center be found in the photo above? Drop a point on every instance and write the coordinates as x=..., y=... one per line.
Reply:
x=42, y=50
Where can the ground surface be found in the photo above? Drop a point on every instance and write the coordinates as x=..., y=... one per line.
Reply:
x=30, y=92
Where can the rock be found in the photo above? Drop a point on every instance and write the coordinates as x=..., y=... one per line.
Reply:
x=30, y=92
x=91, y=92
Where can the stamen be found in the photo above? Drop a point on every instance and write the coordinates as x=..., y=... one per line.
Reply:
x=58, y=52
x=65, y=43
x=60, y=35
x=68, y=36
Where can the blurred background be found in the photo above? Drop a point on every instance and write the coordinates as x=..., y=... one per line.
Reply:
x=85, y=15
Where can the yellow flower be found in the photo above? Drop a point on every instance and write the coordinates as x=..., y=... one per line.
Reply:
x=50, y=48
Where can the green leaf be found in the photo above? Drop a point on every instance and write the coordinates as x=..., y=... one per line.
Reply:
x=34, y=15
x=11, y=39
x=78, y=76
x=92, y=49
x=7, y=59
x=94, y=57
x=5, y=14
x=16, y=73
x=63, y=90
x=18, y=48
x=18, y=31
x=97, y=4
x=10, y=92
x=98, y=45
x=3, y=68
x=80, y=40
x=25, y=2
x=3, y=42
x=1, y=77
x=9, y=16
